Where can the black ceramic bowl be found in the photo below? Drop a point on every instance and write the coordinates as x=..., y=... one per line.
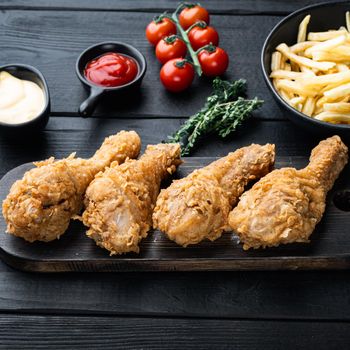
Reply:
x=26, y=72
x=96, y=91
x=324, y=16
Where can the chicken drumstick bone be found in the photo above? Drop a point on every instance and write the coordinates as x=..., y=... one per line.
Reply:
x=40, y=206
x=120, y=201
x=197, y=206
x=285, y=206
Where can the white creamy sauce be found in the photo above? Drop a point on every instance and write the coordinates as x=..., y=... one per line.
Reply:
x=20, y=100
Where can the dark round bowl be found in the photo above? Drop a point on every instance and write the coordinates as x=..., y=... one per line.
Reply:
x=97, y=91
x=26, y=72
x=324, y=16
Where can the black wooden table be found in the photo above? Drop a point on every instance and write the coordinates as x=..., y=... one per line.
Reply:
x=243, y=310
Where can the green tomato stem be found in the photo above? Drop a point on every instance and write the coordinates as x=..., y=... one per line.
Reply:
x=210, y=48
x=170, y=39
x=196, y=64
x=200, y=24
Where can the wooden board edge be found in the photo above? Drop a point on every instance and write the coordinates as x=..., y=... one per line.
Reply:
x=334, y=262
x=341, y=262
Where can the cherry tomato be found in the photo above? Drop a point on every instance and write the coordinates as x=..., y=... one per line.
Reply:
x=200, y=36
x=169, y=48
x=213, y=61
x=177, y=75
x=157, y=30
x=192, y=14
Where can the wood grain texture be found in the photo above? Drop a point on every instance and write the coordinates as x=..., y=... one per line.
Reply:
x=274, y=295
x=329, y=247
x=53, y=40
x=214, y=6
x=28, y=332
x=290, y=295
x=64, y=135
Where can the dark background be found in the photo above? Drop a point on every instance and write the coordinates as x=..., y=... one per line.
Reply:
x=243, y=310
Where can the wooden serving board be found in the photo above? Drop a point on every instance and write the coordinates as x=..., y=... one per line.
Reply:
x=329, y=247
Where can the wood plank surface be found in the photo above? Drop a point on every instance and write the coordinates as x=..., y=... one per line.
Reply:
x=250, y=294
x=281, y=7
x=31, y=32
x=53, y=40
x=65, y=135
x=289, y=295
x=28, y=332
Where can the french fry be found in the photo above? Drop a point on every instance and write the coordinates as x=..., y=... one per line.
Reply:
x=285, y=74
x=310, y=72
x=332, y=70
x=347, y=20
x=323, y=100
x=321, y=80
x=287, y=67
x=342, y=67
x=294, y=87
x=303, y=29
x=283, y=61
x=333, y=117
x=329, y=87
x=285, y=95
x=338, y=92
x=309, y=106
x=320, y=102
x=323, y=36
x=321, y=56
x=299, y=107
x=276, y=61
x=326, y=45
x=303, y=61
x=296, y=101
x=318, y=110
x=294, y=67
x=339, y=107
x=302, y=46
x=342, y=50
x=274, y=83
x=313, y=76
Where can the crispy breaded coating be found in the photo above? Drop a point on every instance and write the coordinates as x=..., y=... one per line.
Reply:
x=196, y=207
x=120, y=201
x=286, y=205
x=39, y=206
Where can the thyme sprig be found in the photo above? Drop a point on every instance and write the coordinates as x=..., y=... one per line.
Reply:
x=222, y=113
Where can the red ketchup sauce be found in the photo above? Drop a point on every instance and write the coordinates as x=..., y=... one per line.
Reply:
x=111, y=69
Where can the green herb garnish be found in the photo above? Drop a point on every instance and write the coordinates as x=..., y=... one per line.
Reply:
x=223, y=111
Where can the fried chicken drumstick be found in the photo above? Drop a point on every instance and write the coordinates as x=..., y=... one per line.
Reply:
x=196, y=207
x=120, y=201
x=40, y=206
x=285, y=206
